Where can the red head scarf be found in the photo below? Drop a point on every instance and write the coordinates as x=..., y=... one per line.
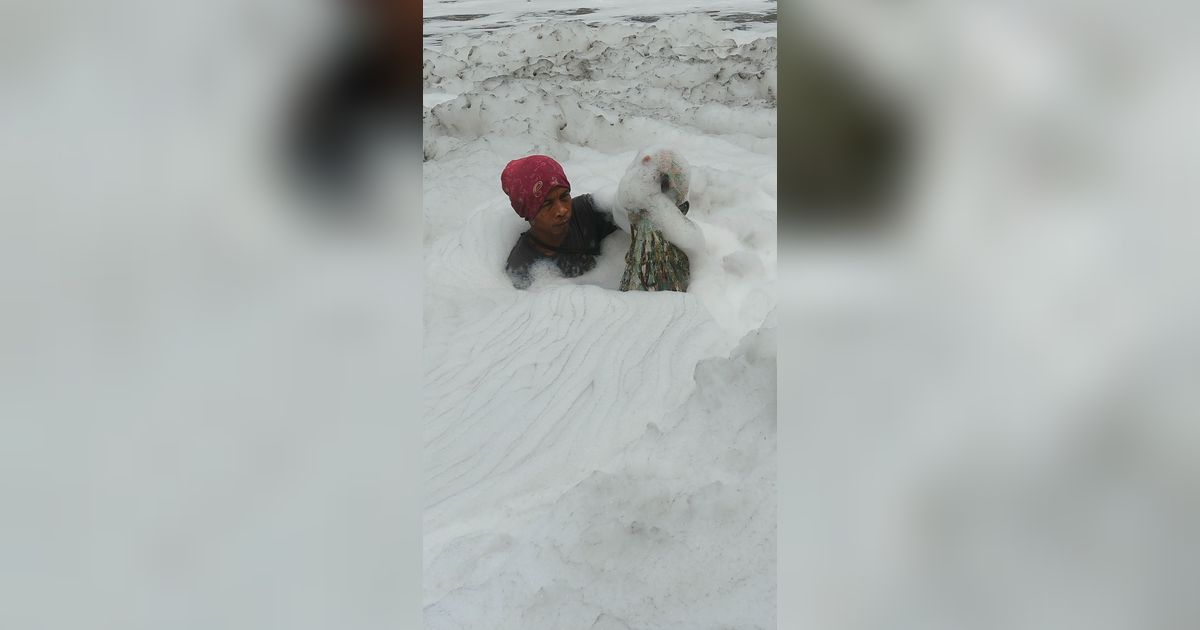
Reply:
x=527, y=180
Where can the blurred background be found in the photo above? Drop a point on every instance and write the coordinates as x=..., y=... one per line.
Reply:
x=988, y=308
x=210, y=319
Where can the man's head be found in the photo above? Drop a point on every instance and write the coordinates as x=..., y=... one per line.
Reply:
x=530, y=182
x=555, y=212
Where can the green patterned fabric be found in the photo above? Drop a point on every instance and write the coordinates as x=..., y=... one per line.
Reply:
x=653, y=263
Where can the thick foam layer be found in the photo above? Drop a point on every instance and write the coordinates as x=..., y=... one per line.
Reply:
x=588, y=451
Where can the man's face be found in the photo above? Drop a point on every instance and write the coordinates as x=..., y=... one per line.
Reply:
x=555, y=211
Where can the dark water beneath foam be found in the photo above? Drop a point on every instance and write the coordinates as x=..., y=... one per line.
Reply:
x=741, y=19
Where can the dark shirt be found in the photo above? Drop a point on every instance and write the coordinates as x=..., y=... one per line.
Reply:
x=577, y=253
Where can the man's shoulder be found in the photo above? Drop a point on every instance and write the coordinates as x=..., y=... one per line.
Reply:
x=584, y=207
x=522, y=253
x=583, y=203
x=520, y=259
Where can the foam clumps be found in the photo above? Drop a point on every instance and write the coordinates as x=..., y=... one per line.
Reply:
x=608, y=86
x=597, y=458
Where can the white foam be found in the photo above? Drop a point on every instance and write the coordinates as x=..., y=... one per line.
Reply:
x=597, y=458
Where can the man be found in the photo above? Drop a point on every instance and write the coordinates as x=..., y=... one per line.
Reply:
x=563, y=231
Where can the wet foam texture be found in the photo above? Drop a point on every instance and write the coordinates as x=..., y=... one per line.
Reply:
x=596, y=458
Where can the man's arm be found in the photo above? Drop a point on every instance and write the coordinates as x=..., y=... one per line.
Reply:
x=678, y=229
x=604, y=203
x=520, y=278
x=517, y=266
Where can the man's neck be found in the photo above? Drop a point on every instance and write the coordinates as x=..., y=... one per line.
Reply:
x=544, y=240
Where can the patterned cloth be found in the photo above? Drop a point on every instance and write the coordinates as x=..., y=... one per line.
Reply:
x=653, y=263
x=527, y=180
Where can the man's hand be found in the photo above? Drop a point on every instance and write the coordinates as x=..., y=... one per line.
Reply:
x=682, y=232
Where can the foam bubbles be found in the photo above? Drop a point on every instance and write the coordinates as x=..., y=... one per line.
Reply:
x=598, y=458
